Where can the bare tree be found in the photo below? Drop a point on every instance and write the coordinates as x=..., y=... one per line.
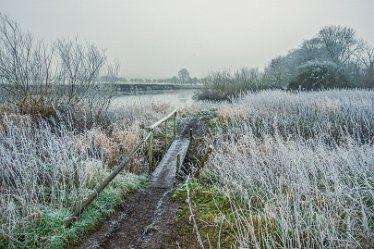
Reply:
x=366, y=58
x=106, y=90
x=33, y=72
x=340, y=43
x=183, y=75
x=25, y=63
x=79, y=66
x=16, y=60
x=333, y=44
x=276, y=73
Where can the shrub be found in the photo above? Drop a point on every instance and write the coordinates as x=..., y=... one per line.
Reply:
x=220, y=86
x=316, y=75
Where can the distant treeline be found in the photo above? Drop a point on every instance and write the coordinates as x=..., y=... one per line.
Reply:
x=182, y=78
x=334, y=58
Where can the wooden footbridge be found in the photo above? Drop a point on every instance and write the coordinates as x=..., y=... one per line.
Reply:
x=164, y=174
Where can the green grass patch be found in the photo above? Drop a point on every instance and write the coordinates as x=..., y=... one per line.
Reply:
x=221, y=219
x=47, y=231
x=212, y=211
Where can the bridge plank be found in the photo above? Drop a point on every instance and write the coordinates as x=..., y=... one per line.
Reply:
x=164, y=174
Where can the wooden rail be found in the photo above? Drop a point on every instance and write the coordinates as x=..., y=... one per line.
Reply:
x=148, y=137
x=162, y=120
x=151, y=129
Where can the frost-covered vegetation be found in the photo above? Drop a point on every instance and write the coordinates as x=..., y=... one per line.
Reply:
x=287, y=170
x=59, y=139
x=42, y=78
x=334, y=58
x=219, y=86
x=297, y=170
x=341, y=58
x=48, y=167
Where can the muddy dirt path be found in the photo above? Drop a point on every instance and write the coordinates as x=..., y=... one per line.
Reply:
x=145, y=219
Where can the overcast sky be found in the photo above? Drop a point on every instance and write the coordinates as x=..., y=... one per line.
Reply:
x=156, y=38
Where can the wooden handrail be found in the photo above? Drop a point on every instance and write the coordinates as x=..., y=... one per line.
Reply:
x=120, y=167
x=151, y=130
x=152, y=127
x=105, y=183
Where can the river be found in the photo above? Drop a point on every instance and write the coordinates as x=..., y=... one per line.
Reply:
x=176, y=98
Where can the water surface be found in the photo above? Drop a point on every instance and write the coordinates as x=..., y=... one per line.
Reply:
x=176, y=98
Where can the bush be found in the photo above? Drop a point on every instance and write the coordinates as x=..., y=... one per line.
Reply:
x=221, y=86
x=316, y=75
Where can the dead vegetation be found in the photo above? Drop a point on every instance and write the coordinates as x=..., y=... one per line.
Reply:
x=295, y=169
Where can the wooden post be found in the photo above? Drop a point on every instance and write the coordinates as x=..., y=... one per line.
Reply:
x=93, y=145
x=178, y=162
x=166, y=135
x=150, y=152
x=121, y=152
x=204, y=160
x=174, y=124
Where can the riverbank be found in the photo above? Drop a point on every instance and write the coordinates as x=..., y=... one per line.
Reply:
x=150, y=88
x=286, y=170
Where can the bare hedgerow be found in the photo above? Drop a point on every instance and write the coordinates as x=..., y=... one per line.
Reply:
x=41, y=77
x=227, y=86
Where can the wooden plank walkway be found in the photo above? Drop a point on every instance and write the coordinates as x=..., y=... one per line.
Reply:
x=127, y=228
x=164, y=174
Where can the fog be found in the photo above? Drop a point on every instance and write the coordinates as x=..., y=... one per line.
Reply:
x=157, y=38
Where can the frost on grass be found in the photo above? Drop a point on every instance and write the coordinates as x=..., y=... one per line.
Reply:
x=48, y=168
x=297, y=169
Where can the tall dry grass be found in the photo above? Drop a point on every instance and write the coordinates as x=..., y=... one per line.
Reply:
x=298, y=169
x=56, y=163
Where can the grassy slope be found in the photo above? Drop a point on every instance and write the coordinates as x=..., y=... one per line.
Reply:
x=46, y=230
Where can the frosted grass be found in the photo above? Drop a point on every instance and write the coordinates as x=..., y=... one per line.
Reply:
x=298, y=169
x=44, y=163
